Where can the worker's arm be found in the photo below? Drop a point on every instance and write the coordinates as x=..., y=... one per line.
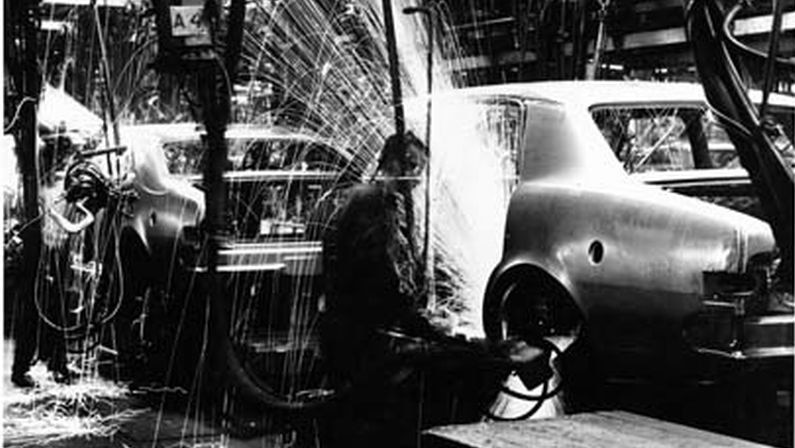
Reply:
x=71, y=227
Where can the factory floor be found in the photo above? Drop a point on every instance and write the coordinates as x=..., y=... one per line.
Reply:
x=93, y=412
x=98, y=413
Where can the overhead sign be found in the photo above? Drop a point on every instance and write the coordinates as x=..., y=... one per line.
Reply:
x=188, y=22
x=185, y=34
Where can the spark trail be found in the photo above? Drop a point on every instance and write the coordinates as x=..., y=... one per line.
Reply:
x=328, y=66
x=332, y=65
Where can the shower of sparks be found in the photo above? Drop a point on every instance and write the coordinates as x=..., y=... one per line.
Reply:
x=335, y=68
x=470, y=183
x=88, y=408
x=331, y=69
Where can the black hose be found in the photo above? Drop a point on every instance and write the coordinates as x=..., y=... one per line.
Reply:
x=770, y=63
x=745, y=49
x=539, y=399
x=523, y=416
x=708, y=28
x=546, y=394
x=84, y=181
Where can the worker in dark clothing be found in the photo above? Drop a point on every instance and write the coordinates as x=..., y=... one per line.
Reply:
x=376, y=340
x=24, y=331
x=374, y=285
x=375, y=277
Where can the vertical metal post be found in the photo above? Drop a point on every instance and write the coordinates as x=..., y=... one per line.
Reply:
x=394, y=68
x=600, y=41
x=400, y=119
x=579, y=40
x=215, y=112
x=427, y=252
x=215, y=202
x=108, y=94
x=30, y=89
x=216, y=150
x=110, y=105
x=215, y=102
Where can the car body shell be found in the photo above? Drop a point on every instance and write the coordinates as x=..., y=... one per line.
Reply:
x=164, y=203
x=167, y=204
x=630, y=255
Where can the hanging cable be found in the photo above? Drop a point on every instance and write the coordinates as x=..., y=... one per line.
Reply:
x=745, y=49
x=770, y=64
x=14, y=239
x=98, y=283
x=16, y=114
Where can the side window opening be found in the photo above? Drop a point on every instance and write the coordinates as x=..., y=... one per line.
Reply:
x=658, y=138
x=665, y=138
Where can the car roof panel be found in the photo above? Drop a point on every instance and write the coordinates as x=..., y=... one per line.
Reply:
x=591, y=93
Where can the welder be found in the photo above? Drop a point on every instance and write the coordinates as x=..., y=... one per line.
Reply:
x=375, y=337
x=374, y=283
x=375, y=277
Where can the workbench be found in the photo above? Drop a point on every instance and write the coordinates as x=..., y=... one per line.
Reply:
x=607, y=429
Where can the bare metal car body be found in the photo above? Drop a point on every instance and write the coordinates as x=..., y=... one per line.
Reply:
x=638, y=261
x=273, y=180
x=167, y=179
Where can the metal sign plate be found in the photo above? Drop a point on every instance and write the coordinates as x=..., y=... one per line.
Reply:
x=188, y=21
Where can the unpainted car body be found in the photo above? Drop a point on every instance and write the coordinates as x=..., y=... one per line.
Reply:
x=167, y=178
x=274, y=178
x=635, y=260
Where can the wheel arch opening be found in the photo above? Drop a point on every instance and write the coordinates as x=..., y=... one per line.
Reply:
x=520, y=290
